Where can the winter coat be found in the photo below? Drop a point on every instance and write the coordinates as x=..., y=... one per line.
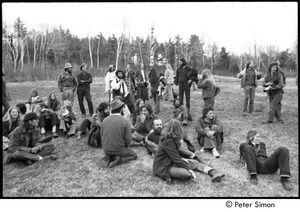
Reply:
x=182, y=75
x=166, y=157
x=208, y=88
x=68, y=80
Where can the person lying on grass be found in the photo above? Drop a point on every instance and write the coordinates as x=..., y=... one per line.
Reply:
x=143, y=125
x=180, y=112
x=10, y=121
x=25, y=143
x=168, y=163
x=67, y=119
x=116, y=136
x=210, y=132
x=102, y=112
x=255, y=155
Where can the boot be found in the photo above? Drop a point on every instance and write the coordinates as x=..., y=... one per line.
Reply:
x=184, y=122
x=117, y=161
x=286, y=184
x=198, y=159
x=215, y=153
x=215, y=175
x=253, y=179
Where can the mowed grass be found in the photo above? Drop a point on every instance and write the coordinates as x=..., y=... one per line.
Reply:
x=79, y=171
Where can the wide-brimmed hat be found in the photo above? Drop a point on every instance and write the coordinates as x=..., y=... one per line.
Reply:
x=30, y=116
x=115, y=104
x=120, y=71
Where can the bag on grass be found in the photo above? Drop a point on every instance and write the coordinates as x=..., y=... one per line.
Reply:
x=94, y=138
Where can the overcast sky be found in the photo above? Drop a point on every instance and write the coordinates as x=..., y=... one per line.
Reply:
x=234, y=25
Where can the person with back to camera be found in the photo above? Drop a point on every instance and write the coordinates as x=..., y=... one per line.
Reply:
x=255, y=155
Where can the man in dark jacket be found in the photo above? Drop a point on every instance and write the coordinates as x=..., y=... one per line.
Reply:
x=25, y=143
x=116, y=136
x=154, y=83
x=5, y=95
x=255, y=155
x=67, y=83
x=183, y=80
x=84, y=80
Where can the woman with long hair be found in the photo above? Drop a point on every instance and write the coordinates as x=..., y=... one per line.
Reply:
x=53, y=103
x=168, y=163
x=209, y=88
x=249, y=77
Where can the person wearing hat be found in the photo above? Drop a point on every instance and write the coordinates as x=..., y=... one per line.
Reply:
x=254, y=153
x=84, y=80
x=109, y=77
x=115, y=136
x=142, y=83
x=102, y=111
x=67, y=83
x=183, y=80
x=25, y=143
x=273, y=82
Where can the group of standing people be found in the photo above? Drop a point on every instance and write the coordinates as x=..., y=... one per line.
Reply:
x=127, y=120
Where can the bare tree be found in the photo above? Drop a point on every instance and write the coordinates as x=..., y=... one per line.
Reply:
x=91, y=52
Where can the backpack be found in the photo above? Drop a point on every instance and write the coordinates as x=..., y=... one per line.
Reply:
x=94, y=138
x=217, y=91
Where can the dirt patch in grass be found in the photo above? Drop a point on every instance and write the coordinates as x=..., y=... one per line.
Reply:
x=79, y=171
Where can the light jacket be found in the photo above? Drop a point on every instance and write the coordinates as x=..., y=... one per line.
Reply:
x=242, y=75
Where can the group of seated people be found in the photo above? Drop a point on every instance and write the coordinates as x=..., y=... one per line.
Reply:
x=25, y=126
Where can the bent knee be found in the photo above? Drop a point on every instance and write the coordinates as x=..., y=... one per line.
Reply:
x=283, y=149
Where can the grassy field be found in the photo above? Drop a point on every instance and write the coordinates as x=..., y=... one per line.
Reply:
x=79, y=171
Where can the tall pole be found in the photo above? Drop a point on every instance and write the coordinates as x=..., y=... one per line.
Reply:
x=152, y=47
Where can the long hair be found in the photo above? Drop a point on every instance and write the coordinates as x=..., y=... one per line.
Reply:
x=206, y=74
x=248, y=64
x=35, y=91
x=250, y=135
x=271, y=65
x=206, y=110
x=7, y=116
x=136, y=105
x=52, y=104
x=173, y=130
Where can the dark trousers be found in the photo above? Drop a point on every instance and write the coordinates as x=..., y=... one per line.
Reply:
x=279, y=159
x=185, y=88
x=156, y=99
x=85, y=92
x=48, y=121
x=22, y=155
x=249, y=97
x=130, y=104
x=275, y=106
x=85, y=126
x=5, y=104
x=142, y=92
x=126, y=153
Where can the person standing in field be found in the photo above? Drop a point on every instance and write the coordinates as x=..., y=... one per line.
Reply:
x=115, y=135
x=142, y=83
x=273, y=82
x=209, y=88
x=184, y=82
x=5, y=95
x=67, y=83
x=249, y=77
x=255, y=155
x=109, y=77
x=154, y=83
x=84, y=80
x=169, y=75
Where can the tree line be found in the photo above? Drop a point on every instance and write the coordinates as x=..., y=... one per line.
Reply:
x=41, y=54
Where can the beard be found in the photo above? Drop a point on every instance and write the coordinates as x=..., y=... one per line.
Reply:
x=158, y=131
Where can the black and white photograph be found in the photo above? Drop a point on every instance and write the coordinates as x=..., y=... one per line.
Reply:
x=150, y=100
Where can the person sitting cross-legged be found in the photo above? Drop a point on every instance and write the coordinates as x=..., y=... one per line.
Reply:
x=168, y=163
x=25, y=143
x=255, y=155
x=115, y=136
x=143, y=125
x=48, y=121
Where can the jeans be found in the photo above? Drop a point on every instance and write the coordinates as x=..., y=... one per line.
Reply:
x=182, y=173
x=279, y=159
x=85, y=92
x=71, y=128
x=22, y=155
x=185, y=88
x=68, y=94
x=142, y=92
x=48, y=121
x=5, y=104
x=156, y=99
x=85, y=126
x=126, y=153
x=249, y=96
x=275, y=106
